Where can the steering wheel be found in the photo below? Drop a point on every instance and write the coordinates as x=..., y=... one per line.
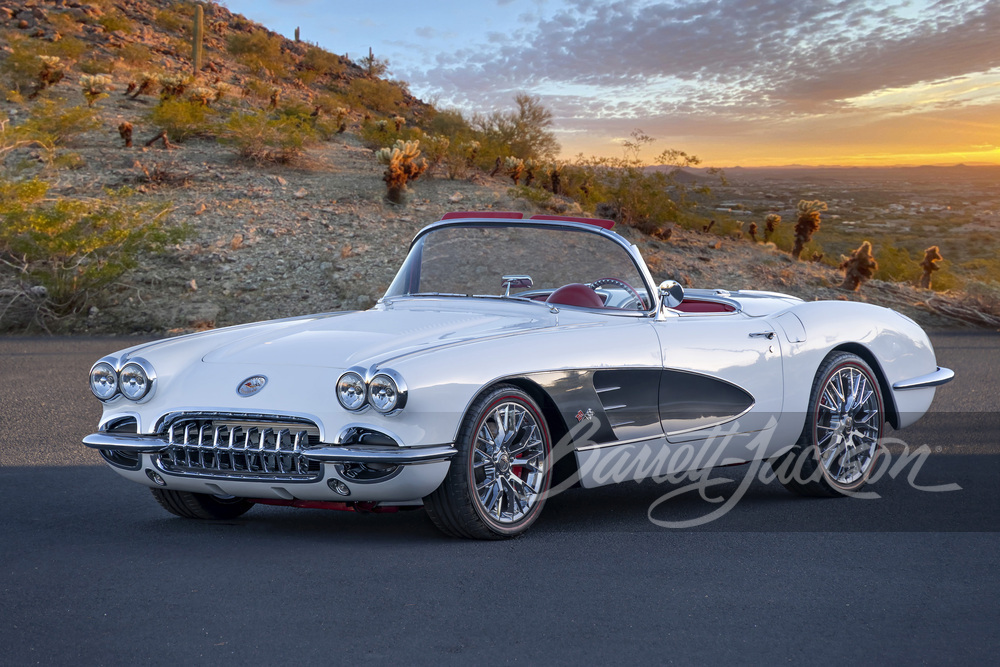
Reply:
x=619, y=283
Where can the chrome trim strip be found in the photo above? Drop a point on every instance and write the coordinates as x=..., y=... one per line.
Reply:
x=717, y=423
x=604, y=389
x=615, y=443
x=380, y=454
x=939, y=377
x=132, y=443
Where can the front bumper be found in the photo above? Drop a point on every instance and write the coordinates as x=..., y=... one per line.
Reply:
x=383, y=454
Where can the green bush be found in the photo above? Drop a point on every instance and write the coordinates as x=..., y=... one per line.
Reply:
x=52, y=121
x=322, y=61
x=74, y=248
x=258, y=50
x=896, y=265
x=258, y=137
x=375, y=94
x=135, y=55
x=115, y=21
x=182, y=118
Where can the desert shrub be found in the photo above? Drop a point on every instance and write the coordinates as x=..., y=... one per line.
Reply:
x=176, y=18
x=97, y=66
x=135, y=55
x=258, y=137
x=52, y=119
x=74, y=248
x=375, y=94
x=322, y=61
x=895, y=264
x=182, y=119
x=115, y=21
x=259, y=51
x=383, y=133
x=449, y=123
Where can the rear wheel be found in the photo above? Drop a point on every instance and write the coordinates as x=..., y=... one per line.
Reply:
x=839, y=445
x=496, y=485
x=201, y=505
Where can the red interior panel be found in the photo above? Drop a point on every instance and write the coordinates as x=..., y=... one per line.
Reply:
x=483, y=214
x=695, y=306
x=576, y=294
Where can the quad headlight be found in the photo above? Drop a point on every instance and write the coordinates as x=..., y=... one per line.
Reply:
x=386, y=392
x=134, y=381
x=103, y=381
x=351, y=391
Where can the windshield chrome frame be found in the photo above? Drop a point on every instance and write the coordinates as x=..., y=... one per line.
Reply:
x=630, y=249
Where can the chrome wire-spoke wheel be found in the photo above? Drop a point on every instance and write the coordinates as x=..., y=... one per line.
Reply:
x=508, y=463
x=840, y=442
x=848, y=425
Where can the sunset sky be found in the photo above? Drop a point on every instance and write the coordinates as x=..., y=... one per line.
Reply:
x=735, y=82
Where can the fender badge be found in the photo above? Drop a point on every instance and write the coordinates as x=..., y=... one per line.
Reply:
x=251, y=385
x=581, y=415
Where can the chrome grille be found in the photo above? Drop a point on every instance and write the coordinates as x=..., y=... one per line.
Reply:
x=260, y=451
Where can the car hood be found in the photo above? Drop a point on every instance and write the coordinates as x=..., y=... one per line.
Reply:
x=371, y=336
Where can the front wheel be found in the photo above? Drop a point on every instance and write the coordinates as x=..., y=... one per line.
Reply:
x=839, y=445
x=201, y=505
x=496, y=485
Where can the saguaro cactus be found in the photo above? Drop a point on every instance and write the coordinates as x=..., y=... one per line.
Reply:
x=297, y=40
x=402, y=166
x=197, y=38
x=858, y=268
x=930, y=264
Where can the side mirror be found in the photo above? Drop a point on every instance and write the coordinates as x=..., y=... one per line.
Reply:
x=671, y=293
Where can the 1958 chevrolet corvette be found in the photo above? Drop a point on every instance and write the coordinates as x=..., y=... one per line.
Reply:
x=499, y=339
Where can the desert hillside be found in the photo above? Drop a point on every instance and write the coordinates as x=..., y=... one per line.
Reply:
x=262, y=192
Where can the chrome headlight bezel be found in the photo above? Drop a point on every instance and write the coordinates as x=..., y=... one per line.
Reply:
x=390, y=378
x=111, y=372
x=360, y=381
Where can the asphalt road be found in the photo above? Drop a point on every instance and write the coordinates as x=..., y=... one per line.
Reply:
x=92, y=571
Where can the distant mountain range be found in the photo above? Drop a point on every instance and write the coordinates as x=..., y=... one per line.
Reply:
x=923, y=174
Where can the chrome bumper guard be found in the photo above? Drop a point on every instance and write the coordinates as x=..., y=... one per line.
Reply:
x=388, y=455
x=939, y=377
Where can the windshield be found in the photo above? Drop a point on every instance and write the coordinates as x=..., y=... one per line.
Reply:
x=474, y=260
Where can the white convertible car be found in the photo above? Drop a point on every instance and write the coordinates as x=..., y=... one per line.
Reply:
x=510, y=357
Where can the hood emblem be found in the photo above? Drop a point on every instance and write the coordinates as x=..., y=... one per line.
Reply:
x=251, y=385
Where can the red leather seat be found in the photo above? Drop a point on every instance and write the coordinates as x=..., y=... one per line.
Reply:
x=576, y=294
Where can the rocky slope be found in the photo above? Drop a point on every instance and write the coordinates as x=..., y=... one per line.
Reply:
x=318, y=235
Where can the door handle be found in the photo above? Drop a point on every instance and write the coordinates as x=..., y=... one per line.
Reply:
x=763, y=334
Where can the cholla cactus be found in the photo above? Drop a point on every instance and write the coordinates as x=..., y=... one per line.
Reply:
x=382, y=125
x=435, y=148
x=807, y=224
x=930, y=264
x=202, y=95
x=220, y=89
x=275, y=98
x=471, y=150
x=94, y=87
x=771, y=223
x=399, y=121
x=858, y=268
x=513, y=167
x=554, y=172
x=51, y=73
x=529, y=172
x=402, y=166
x=752, y=231
x=147, y=82
x=125, y=132
x=340, y=117
x=173, y=86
